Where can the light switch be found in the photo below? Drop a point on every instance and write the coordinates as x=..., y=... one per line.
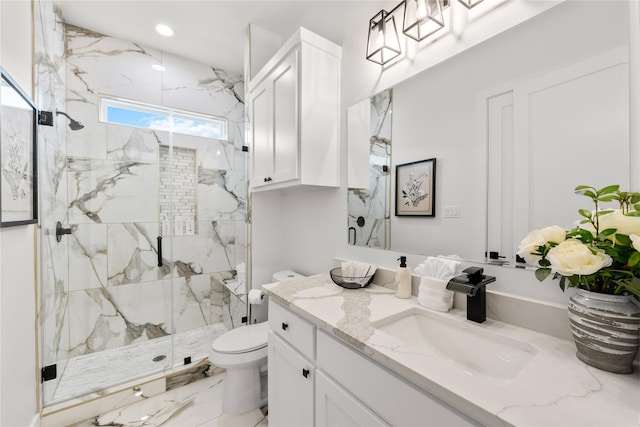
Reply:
x=452, y=211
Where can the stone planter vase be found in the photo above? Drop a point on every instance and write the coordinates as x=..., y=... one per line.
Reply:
x=606, y=329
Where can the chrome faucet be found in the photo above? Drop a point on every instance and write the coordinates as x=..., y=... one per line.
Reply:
x=472, y=284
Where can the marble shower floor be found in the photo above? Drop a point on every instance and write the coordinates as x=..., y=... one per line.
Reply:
x=198, y=404
x=94, y=372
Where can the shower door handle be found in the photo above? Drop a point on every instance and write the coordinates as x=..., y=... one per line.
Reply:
x=159, y=251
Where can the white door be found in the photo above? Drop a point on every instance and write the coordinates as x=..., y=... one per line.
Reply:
x=262, y=134
x=336, y=407
x=579, y=113
x=285, y=119
x=291, y=383
x=500, y=246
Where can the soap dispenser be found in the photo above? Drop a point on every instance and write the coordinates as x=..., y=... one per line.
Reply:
x=403, y=279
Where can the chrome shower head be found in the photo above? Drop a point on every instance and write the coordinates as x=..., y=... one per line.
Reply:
x=73, y=124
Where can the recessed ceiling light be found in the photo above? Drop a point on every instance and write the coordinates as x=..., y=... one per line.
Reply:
x=158, y=67
x=164, y=30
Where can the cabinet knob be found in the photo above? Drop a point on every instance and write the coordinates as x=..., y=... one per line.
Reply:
x=305, y=373
x=284, y=326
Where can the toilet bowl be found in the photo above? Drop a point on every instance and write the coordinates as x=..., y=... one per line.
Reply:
x=243, y=353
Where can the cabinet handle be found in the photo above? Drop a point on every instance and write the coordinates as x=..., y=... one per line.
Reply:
x=284, y=326
x=305, y=373
x=267, y=179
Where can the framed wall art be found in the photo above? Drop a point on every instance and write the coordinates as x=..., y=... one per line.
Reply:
x=416, y=188
x=18, y=170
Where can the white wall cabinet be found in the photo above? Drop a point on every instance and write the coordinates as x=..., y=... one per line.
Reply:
x=335, y=385
x=294, y=115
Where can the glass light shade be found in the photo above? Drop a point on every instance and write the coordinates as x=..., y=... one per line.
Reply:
x=382, y=44
x=469, y=3
x=422, y=18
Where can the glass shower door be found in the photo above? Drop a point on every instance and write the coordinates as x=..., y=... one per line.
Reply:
x=107, y=291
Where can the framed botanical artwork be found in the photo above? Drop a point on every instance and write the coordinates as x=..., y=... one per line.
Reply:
x=18, y=170
x=416, y=188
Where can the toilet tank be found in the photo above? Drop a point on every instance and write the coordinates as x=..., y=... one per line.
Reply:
x=259, y=313
x=281, y=276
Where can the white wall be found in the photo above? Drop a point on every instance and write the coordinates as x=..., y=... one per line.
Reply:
x=308, y=229
x=18, y=354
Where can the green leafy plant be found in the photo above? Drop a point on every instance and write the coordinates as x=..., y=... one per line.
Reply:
x=601, y=254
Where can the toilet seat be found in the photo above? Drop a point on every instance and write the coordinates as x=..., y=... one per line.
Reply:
x=244, y=339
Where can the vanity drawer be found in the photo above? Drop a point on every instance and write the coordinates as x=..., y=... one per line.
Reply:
x=293, y=329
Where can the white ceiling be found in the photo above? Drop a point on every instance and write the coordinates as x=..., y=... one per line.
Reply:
x=212, y=31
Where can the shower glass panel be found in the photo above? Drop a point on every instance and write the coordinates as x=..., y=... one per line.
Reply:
x=108, y=319
x=147, y=276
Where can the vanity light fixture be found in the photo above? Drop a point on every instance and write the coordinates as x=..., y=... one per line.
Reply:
x=164, y=30
x=383, y=44
x=422, y=18
x=470, y=3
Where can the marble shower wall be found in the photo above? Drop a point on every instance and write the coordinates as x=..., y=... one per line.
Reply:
x=372, y=205
x=101, y=285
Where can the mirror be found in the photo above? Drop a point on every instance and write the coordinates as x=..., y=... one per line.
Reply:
x=369, y=136
x=514, y=123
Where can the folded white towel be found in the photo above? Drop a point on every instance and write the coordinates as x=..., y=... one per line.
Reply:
x=433, y=294
x=356, y=269
x=439, y=268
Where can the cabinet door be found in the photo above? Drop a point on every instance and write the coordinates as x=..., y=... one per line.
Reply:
x=262, y=134
x=336, y=407
x=285, y=119
x=291, y=382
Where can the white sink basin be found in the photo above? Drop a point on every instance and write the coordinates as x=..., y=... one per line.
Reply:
x=474, y=349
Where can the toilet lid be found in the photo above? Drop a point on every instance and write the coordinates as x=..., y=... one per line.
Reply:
x=243, y=339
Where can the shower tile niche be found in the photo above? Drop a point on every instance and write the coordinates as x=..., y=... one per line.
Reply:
x=178, y=191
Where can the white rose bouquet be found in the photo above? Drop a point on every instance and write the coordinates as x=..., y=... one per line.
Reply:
x=601, y=254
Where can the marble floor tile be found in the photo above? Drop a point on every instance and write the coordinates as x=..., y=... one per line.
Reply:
x=196, y=404
x=97, y=371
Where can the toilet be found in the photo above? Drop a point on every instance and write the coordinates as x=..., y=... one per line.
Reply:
x=243, y=353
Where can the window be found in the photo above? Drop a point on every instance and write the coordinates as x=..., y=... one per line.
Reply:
x=121, y=111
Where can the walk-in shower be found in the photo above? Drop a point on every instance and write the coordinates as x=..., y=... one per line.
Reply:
x=110, y=312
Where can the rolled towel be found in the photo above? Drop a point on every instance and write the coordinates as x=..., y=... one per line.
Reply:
x=433, y=294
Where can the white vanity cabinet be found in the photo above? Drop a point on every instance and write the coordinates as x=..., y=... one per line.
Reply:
x=315, y=379
x=294, y=115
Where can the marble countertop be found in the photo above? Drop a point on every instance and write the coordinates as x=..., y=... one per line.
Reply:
x=554, y=388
